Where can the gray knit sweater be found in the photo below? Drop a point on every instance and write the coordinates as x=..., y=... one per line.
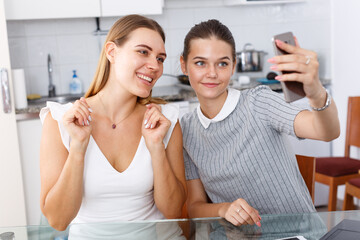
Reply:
x=247, y=155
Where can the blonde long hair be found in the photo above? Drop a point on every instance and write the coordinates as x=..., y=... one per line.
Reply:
x=118, y=34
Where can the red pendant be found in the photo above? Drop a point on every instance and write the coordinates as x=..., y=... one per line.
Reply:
x=113, y=126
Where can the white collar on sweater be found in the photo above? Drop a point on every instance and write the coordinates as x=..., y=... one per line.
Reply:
x=228, y=107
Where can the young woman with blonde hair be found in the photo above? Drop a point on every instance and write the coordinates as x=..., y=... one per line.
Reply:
x=115, y=155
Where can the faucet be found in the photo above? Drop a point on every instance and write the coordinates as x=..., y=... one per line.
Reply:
x=51, y=84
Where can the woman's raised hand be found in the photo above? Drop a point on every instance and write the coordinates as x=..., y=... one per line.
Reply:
x=77, y=121
x=155, y=126
x=302, y=66
x=239, y=212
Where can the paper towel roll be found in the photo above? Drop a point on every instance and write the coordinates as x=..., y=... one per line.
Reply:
x=19, y=88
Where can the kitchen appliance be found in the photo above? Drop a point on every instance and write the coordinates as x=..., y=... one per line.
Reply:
x=249, y=59
x=184, y=79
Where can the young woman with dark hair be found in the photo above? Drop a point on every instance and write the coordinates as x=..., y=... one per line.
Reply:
x=235, y=147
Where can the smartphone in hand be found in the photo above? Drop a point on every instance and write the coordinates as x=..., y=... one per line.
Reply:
x=292, y=90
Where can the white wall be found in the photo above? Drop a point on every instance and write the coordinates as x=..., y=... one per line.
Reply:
x=346, y=61
x=73, y=46
x=345, y=65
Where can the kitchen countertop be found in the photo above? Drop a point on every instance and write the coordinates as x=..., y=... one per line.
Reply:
x=172, y=93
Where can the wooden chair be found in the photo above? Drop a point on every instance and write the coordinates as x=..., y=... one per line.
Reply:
x=307, y=170
x=352, y=189
x=335, y=171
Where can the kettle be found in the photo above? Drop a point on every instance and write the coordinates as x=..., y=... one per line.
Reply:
x=249, y=59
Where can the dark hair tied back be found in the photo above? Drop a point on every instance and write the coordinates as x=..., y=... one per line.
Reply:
x=206, y=30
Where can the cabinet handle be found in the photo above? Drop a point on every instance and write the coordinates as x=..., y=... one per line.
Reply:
x=5, y=90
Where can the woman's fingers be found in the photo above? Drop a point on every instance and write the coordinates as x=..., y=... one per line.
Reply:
x=235, y=221
x=291, y=65
x=300, y=63
x=292, y=58
x=85, y=112
x=82, y=99
x=82, y=112
x=232, y=215
x=242, y=217
x=151, y=105
x=250, y=214
x=149, y=112
x=152, y=116
x=79, y=118
x=295, y=68
x=293, y=49
x=286, y=47
x=240, y=212
x=153, y=120
x=297, y=77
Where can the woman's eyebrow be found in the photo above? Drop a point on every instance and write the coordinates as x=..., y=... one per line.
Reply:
x=145, y=46
x=223, y=58
x=148, y=47
x=198, y=57
x=203, y=58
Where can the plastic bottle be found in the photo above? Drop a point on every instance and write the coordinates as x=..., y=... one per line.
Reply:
x=75, y=84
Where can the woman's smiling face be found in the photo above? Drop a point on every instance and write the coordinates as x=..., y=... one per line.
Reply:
x=209, y=66
x=138, y=64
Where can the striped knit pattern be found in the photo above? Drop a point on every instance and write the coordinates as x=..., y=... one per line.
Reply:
x=247, y=155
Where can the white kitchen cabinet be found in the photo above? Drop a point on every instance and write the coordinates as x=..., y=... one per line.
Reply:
x=29, y=133
x=48, y=9
x=257, y=2
x=111, y=8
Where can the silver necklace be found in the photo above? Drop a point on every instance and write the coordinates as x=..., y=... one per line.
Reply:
x=113, y=126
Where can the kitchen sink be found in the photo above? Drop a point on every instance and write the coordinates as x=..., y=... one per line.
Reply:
x=65, y=98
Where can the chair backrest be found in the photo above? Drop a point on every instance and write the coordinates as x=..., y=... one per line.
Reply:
x=353, y=124
x=307, y=170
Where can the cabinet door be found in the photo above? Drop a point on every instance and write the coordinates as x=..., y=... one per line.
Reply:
x=46, y=9
x=120, y=8
x=29, y=132
x=12, y=204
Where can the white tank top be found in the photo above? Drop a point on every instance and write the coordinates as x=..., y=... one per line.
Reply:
x=111, y=196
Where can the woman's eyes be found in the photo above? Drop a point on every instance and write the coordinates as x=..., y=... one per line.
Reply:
x=220, y=64
x=143, y=52
x=223, y=64
x=160, y=59
x=146, y=52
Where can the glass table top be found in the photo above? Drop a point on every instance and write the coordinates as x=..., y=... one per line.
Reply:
x=309, y=225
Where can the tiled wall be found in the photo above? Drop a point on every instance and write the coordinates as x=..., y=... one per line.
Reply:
x=73, y=45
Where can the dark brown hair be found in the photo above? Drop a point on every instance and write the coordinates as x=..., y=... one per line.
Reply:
x=119, y=34
x=206, y=30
